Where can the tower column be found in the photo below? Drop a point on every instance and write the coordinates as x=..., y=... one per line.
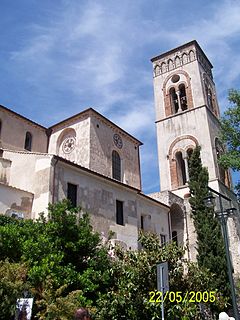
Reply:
x=179, y=101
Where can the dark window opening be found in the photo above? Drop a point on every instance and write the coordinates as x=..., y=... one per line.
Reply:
x=181, y=170
x=174, y=237
x=116, y=166
x=119, y=212
x=0, y=128
x=174, y=100
x=72, y=193
x=183, y=97
x=142, y=222
x=28, y=141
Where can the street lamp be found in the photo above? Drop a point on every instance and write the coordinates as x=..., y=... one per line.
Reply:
x=223, y=214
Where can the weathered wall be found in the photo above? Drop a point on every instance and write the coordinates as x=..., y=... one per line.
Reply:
x=102, y=146
x=16, y=200
x=31, y=172
x=14, y=130
x=79, y=130
x=98, y=196
x=190, y=123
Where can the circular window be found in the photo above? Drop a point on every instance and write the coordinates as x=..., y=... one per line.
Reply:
x=68, y=144
x=175, y=78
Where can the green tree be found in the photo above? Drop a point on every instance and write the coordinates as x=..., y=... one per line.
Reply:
x=134, y=275
x=12, y=286
x=230, y=133
x=62, y=250
x=210, y=246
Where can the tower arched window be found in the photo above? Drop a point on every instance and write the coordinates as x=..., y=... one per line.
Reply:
x=177, y=61
x=163, y=67
x=170, y=65
x=181, y=169
x=116, y=166
x=28, y=141
x=157, y=71
x=223, y=176
x=210, y=99
x=183, y=97
x=174, y=100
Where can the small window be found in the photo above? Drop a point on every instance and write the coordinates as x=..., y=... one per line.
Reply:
x=28, y=141
x=163, y=239
x=119, y=212
x=142, y=222
x=72, y=193
x=116, y=166
x=0, y=128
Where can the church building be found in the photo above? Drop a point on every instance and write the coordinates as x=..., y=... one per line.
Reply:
x=94, y=163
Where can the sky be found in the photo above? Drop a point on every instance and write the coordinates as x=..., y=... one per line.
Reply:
x=60, y=57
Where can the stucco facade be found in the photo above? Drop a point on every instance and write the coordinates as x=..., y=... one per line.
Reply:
x=87, y=159
x=187, y=114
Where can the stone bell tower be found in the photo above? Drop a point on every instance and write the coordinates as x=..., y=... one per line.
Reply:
x=187, y=114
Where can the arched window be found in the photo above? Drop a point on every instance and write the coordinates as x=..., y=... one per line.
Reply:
x=210, y=99
x=183, y=97
x=157, y=70
x=28, y=141
x=174, y=100
x=170, y=65
x=184, y=58
x=177, y=62
x=163, y=67
x=116, y=166
x=191, y=55
x=181, y=170
x=0, y=128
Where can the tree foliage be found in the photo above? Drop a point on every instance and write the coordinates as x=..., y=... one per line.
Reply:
x=62, y=251
x=230, y=133
x=63, y=264
x=210, y=245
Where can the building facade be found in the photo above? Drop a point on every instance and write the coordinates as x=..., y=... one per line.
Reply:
x=187, y=115
x=95, y=164
x=87, y=159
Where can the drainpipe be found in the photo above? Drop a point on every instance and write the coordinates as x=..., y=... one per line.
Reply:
x=54, y=164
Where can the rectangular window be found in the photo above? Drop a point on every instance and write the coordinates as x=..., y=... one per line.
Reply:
x=142, y=222
x=163, y=239
x=119, y=212
x=72, y=193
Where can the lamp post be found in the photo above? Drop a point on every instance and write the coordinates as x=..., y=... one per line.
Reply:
x=223, y=215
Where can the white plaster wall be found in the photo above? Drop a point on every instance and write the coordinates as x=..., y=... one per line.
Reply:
x=159, y=222
x=80, y=154
x=14, y=130
x=5, y=166
x=102, y=145
x=14, y=198
x=98, y=196
x=31, y=172
x=193, y=122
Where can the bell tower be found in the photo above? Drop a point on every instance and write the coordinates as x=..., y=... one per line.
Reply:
x=187, y=114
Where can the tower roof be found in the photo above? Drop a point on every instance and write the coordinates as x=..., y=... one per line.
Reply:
x=188, y=44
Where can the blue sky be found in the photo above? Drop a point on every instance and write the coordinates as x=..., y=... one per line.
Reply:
x=60, y=57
